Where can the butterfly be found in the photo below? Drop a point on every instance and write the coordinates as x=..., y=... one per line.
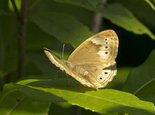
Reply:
x=93, y=62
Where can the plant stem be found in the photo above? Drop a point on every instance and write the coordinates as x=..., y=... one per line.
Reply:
x=22, y=23
x=97, y=19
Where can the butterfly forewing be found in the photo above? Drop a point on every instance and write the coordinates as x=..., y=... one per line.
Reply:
x=62, y=64
x=99, y=49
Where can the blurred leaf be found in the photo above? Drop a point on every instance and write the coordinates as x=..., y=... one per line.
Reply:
x=59, y=108
x=2, y=74
x=151, y=4
x=105, y=100
x=3, y=6
x=62, y=26
x=12, y=102
x=117, y=14
x=120, y=78
x=141, y=80
x=89, y=4
x=122, y=17
x=8, y=43
x=42, y=39
x=18, y=5
x=81, y=14
x=141, y=10
x=40, y=63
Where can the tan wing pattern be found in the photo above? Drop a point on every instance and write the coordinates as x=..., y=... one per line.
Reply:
x=97, y=56
x=63, y=65
x=101, y=48
x=93, y=62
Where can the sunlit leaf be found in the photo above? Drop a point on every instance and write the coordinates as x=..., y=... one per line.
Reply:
x=101, y=101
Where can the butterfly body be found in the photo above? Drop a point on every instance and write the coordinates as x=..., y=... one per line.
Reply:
x=93, y=62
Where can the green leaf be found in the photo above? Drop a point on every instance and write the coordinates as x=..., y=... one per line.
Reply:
x=141, y=80
x=117, y=14
x=35, y=42
x=141, y=10
x=89, y=4
x=62, y=26
x=13, y=102
x=122, y=17
x=120, y=78
x=151, y=4
x=8, y=43
x=81, y=14
x=101, y=101
x=18, y=5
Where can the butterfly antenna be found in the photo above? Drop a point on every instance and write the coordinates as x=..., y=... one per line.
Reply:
x=63, y=50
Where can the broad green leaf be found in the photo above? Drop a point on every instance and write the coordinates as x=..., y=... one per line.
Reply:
x=13, y=102
x=141, y=80
x=101, y=101
x=37, y=41
x=124, y=18
x=62, y=26
x=141, y=10
x=117, y=14
x=81, y=14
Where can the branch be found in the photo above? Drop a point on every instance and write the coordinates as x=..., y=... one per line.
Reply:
x=21, y=19
x=97, y=20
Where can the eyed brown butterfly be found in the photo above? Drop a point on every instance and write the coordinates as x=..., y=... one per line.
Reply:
x=93, y=62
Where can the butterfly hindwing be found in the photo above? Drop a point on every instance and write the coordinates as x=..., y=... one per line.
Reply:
x=97, y=55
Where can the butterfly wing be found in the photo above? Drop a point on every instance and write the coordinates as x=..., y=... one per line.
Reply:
x=97, y=56
x=62, y=64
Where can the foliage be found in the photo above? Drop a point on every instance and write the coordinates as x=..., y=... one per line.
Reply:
x=30, y=84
